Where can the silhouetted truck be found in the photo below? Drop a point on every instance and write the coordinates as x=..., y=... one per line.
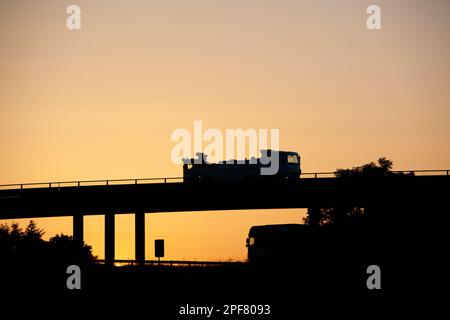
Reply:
x=196, y=170
x=280, y=243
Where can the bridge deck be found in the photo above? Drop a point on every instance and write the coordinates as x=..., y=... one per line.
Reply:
x=413, y=195
x=178, y=196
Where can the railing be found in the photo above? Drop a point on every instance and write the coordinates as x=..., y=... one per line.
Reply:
x=172, y=263
x=331, y=174
x=85, y=183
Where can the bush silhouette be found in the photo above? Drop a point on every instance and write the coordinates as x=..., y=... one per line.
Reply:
x=350, y=215
x=17, y=245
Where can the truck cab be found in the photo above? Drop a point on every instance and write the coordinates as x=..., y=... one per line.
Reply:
x=279, y=243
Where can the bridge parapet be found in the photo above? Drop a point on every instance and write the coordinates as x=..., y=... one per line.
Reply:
x=136, y=181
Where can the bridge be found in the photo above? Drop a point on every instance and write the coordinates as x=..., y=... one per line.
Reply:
x=418, y=188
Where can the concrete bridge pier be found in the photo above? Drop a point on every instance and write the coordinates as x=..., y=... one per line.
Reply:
x=78, y=230
x=139, y=225
x=109, y=238
x=139, y=234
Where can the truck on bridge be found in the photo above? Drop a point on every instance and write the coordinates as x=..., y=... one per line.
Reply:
x=195, y=170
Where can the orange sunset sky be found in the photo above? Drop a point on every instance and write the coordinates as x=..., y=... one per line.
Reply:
x=102, y=102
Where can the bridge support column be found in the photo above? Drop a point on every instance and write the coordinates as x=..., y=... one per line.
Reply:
x=139, y=234
x=78, y=230
x=109, y=238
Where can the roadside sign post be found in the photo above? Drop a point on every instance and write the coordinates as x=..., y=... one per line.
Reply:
x=159, y=249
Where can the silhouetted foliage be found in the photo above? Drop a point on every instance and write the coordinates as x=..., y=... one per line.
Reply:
x=381, y=168
x=17, y=245
x=351, y=215
x=33, y=233
x=64, y=247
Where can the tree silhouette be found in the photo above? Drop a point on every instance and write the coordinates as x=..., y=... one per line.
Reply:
x=350, y=215
x=33, y=233
x=17, y=245
x=381, y=168
x=64, y=247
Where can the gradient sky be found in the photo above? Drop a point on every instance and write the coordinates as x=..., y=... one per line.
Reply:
x=101, y=103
